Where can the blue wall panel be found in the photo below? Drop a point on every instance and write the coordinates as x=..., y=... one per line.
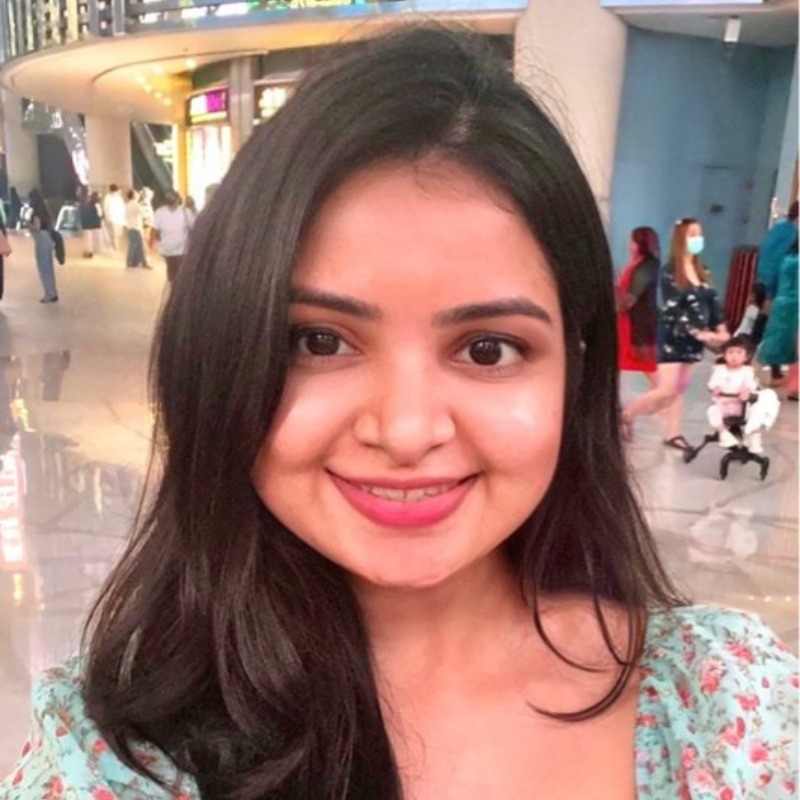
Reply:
x=699, y=135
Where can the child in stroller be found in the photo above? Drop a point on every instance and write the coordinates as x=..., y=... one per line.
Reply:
x=741, y=410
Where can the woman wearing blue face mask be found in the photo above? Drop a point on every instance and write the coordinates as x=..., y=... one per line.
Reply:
x=690, y=318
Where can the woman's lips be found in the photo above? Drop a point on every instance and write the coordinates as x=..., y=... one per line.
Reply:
x=412, y=504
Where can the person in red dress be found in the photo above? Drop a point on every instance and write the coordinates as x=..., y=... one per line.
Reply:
x=636, y=305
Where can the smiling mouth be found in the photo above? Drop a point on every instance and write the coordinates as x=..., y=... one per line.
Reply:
x=407, y=495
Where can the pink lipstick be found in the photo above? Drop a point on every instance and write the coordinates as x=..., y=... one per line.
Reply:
x=405, y=504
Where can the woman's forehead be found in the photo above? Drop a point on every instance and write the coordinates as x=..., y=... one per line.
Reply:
x=440, y=231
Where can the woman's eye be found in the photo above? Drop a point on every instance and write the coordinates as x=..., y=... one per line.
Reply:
x=319, y=343
x=491, y=351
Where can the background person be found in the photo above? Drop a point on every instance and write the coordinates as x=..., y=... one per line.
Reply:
x=636, y=304
x=754, y=320
x=779, y=345
x=44, y=250
x=690, y=319
x=777, y=243
x=134, y=221
x=91, y=222
x=171, y=226
x=114, y=216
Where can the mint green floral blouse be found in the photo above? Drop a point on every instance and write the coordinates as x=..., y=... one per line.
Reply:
x=717, y=720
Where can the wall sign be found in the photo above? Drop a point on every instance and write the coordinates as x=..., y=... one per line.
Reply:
x=210, y=106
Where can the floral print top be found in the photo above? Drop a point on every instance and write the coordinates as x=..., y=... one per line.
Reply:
x=717, y=720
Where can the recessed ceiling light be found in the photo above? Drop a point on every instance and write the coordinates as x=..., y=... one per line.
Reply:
x=158, y=70
x=190, y=63
x=167, y=101
x=159, y=95
x=148, y=88
x=140, y=79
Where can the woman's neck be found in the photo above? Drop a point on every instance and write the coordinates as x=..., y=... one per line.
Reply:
x=418, y=635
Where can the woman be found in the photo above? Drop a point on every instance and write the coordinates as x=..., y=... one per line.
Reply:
x=366, y=572
x=44, y=252
x=690, y=319
x=636, y=304
x=779, y=345
x=91, y=223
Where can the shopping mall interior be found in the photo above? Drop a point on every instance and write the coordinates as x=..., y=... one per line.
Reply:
x=681, y=110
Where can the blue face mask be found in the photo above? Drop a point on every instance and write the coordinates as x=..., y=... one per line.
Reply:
x=695, y=245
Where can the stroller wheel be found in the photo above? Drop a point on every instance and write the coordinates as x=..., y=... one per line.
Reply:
x=764, y=468
x=723, y=468
x=689, y=455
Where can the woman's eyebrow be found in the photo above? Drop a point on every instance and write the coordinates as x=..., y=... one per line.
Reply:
x=336, y=302
x=506, y=307
x=471, y=312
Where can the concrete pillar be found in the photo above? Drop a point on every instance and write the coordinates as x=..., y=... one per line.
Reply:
x=240, y=98
x=108, y=143
x=786, y=184
x=571, y=56
x=22, y=154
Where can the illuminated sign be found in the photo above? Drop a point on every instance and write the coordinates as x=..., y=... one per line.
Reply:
x=268, y=99
x=210, y=106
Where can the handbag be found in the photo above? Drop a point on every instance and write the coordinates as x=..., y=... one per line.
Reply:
x=5, y=247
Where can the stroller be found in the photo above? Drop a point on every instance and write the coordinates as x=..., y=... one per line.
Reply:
x=757, y=412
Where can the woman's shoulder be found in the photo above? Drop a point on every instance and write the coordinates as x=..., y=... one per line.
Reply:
x=67, y=756
x=719, y=690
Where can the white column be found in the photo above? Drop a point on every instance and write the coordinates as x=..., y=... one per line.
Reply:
x=571, y=55
x=108, y=143
x=22, y=154
x=788, y=157
x=240, y=93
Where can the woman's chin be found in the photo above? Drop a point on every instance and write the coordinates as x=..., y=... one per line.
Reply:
x=403, y=577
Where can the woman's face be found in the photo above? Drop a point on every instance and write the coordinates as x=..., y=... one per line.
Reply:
x=633, y=249
x=421, y=419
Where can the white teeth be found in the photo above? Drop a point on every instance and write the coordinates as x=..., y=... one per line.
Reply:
x=410, y=496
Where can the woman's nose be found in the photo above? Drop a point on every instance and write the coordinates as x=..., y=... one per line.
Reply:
x=407, y=413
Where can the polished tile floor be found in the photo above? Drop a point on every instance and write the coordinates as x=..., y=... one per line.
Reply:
x=74, y=437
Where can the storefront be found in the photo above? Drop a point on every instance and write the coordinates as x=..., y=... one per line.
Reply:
x=209, y=140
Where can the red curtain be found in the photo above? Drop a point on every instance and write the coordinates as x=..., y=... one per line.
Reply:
x=741, y=277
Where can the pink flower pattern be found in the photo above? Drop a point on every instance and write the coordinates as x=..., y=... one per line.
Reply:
x=717, y=720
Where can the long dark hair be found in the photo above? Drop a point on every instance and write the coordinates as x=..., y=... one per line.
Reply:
x=646, y=240
x=223, y=638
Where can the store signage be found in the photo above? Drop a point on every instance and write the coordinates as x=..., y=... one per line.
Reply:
x=210, y=106
x=268, y=99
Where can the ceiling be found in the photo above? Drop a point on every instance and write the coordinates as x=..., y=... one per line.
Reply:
x=146, y=76
x=772, y=24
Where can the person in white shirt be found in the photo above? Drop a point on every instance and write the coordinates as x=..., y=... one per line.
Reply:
x=114, y=215
x=134, y=221
x=755, y=317
x=171, y=227
x=732, y=384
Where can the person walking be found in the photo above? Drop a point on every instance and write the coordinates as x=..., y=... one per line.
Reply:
x=636, y=305
x=134, y=221
x=114, y=215
x=691, y=318
x=776, y=245
x=91, y=222
x=171, y=227
x=779, y=345
x=15, y=208
x=44, y=247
